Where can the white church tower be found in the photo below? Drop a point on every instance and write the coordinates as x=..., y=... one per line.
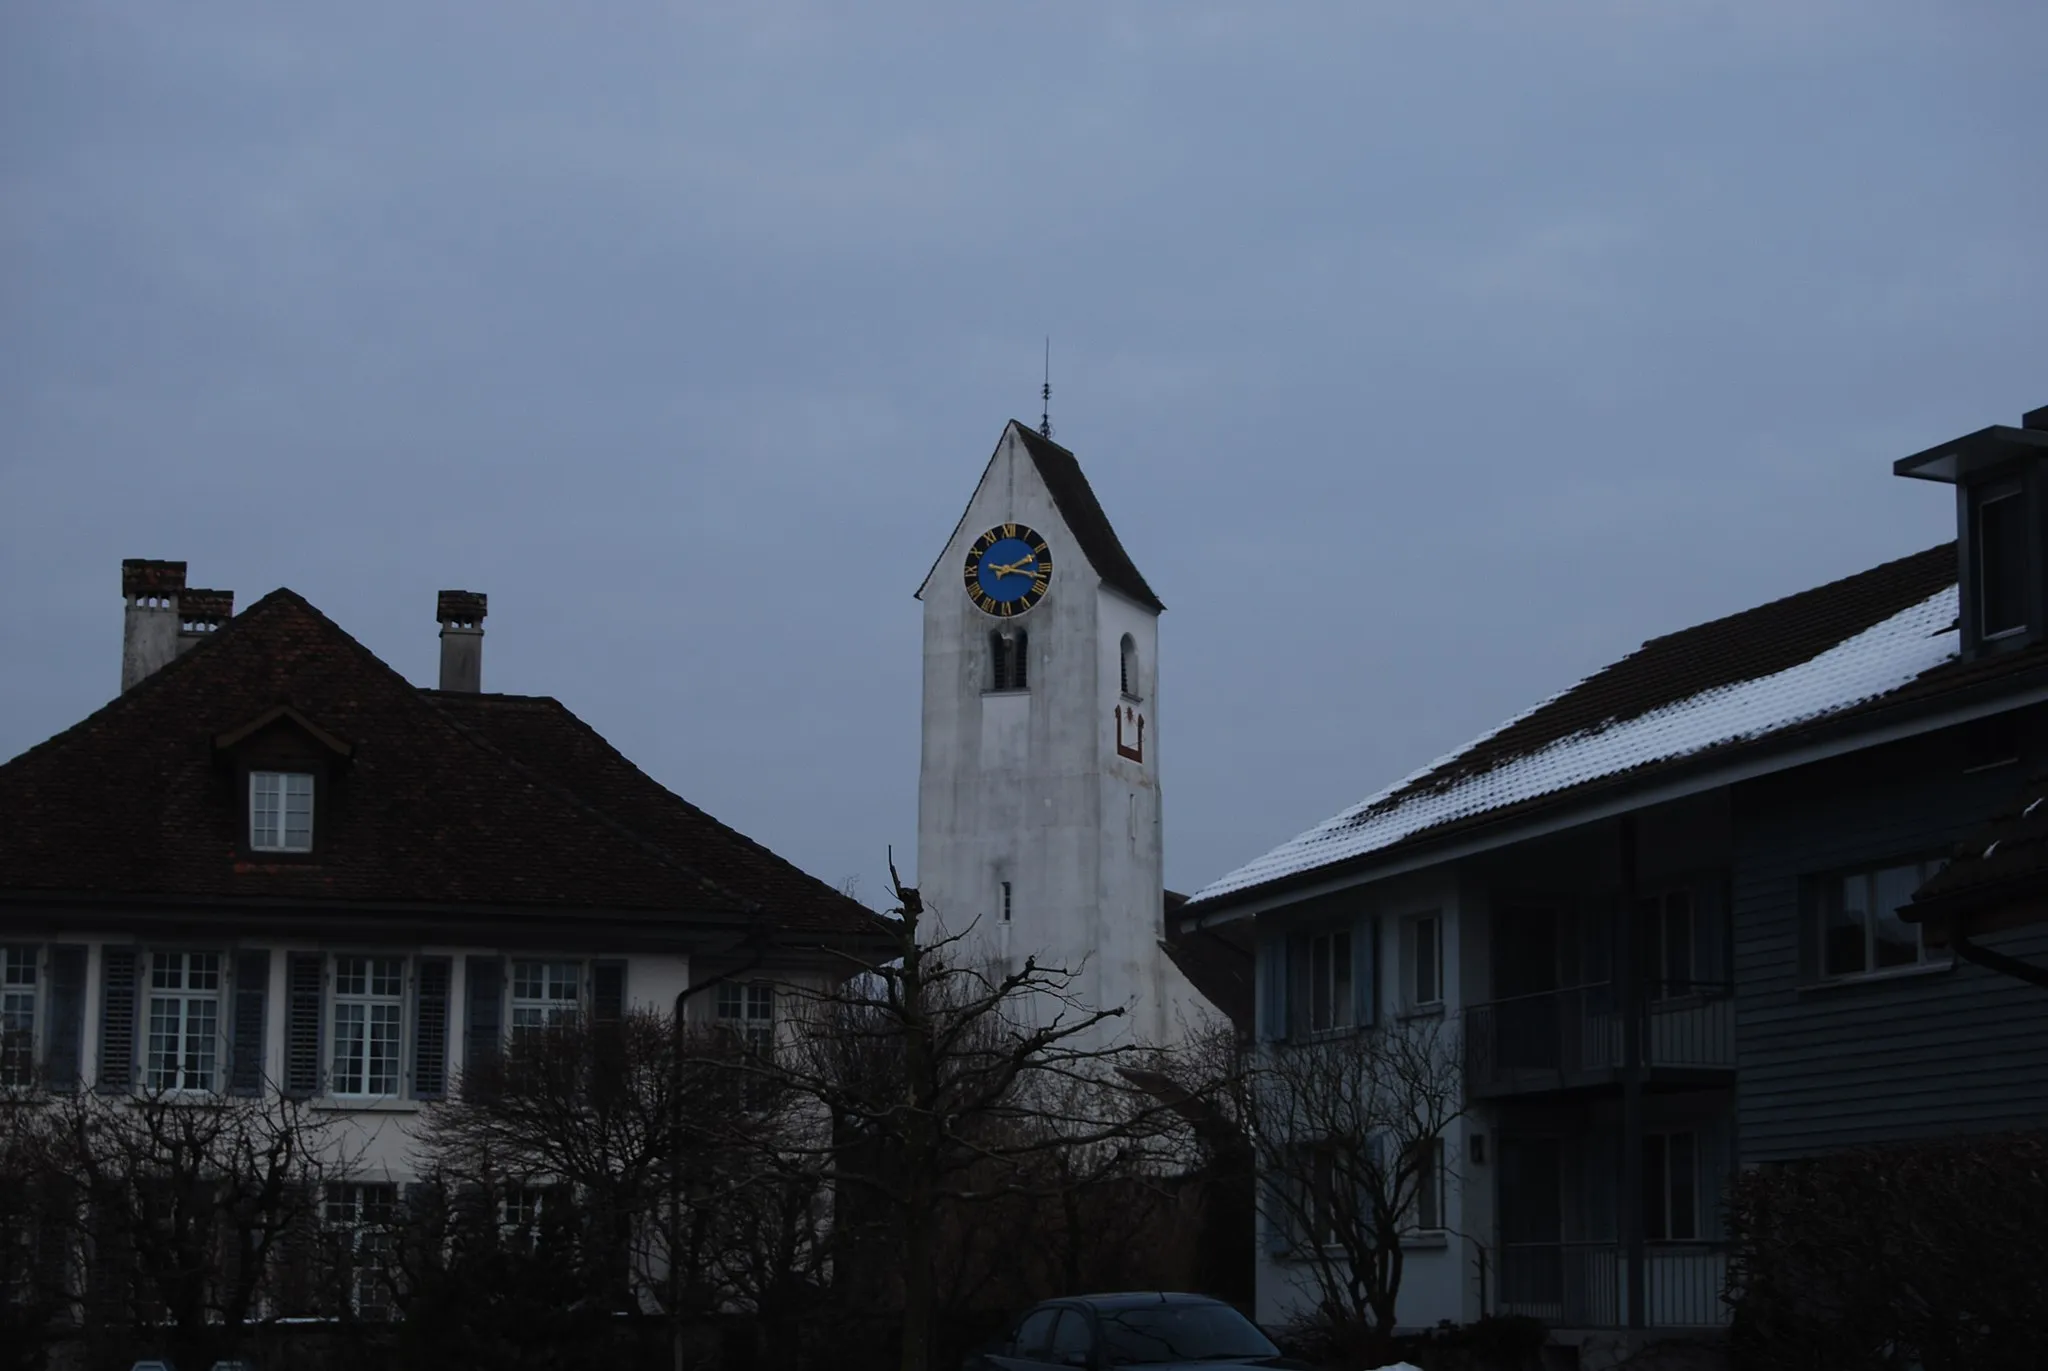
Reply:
x=1038, y=798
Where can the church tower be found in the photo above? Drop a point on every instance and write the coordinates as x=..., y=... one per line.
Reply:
x=1038, y=797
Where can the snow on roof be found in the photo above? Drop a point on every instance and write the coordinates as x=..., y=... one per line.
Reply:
x=1874, y=662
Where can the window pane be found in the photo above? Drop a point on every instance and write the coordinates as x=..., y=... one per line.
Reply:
x=201, y=1028
x=348, y=1049
x=1071, y=1335
x=1844, y=929
x=351, y=975
x=298, y=812
x=1655, y=1176
x=1426, y=991
x=1319, y=983
x=1340, y=980
x=383, y=1063
x=2002, y=564
x=1677, y=967
x=264, y=809
x=1683, y=1161
x=1897, y=942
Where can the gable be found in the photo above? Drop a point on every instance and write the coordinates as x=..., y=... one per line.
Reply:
x=1060, y=472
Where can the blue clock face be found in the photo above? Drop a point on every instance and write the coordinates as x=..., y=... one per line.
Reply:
x=1008, y=570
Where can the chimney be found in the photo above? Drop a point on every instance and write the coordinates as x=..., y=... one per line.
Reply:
x=200, y=613
x=149, y=635
x=2036, y=419
x=462, y=639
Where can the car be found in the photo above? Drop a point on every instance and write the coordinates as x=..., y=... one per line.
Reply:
x=1157, y=1329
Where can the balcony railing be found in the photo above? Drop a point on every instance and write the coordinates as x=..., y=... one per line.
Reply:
x=1585, y=1284
x=1561, y=1039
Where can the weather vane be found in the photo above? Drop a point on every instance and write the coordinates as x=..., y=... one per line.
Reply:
x=1045, y=394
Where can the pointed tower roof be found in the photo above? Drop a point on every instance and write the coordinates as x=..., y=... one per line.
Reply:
x=1075, y=499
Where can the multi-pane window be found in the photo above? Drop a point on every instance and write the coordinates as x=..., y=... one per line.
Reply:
x=1861, y=930
x=1671, y=1187
x=184, y=1021
x=359, y=1220
x=368, y=1003
x=747, y=1010
x=281, y=811
x=1329, y=981
x=519, y=1206
x=17, y=1015
x=1425, y=960
x=1665, y=926
x=544, y=994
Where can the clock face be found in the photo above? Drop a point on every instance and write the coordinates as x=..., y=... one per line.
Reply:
x=1008, y=570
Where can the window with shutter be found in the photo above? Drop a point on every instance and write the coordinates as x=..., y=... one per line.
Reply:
x=369, y=1006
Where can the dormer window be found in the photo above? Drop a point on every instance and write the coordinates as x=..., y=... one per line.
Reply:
x=2001, y=548
x=281, y=811
x=2001, y=530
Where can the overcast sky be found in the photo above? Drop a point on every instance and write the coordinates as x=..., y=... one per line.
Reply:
x=1426, y=356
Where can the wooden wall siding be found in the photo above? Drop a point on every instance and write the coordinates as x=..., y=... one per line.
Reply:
x=1828, y=1066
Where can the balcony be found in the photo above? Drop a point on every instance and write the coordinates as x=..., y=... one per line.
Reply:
x=1585, y=1284
x=1572, y=1040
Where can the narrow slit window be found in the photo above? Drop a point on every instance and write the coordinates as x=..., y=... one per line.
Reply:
x=1127, y=667
x=1003, y=900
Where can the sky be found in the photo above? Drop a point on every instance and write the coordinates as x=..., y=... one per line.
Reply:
x=1426, y=356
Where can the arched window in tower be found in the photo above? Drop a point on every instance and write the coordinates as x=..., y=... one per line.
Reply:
x=1127, y=653
x=1007, y=653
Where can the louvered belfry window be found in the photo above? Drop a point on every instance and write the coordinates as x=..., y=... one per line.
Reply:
x=1007, y=653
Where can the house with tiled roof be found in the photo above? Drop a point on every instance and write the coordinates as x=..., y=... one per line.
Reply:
x=1670, y=910
x=273, y=864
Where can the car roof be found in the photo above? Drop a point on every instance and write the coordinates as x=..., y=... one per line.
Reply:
x=1133, y=1299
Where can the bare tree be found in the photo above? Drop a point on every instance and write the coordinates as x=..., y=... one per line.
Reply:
x=933, y=1078
x=1348, y=1133
x=662, y=1147
x=185, y=1206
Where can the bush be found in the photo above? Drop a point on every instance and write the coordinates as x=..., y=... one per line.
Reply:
x=1927, y=1256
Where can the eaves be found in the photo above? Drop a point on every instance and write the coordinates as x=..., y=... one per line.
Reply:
x=1785, y=750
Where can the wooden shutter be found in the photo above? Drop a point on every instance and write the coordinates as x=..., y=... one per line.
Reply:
x=1272, y=987
x=117, y=1018
x=304, y=972
x=1365, y=971
x=484, y=1039
x=252, y=996
x=65, y=1024
x=430, y=1030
